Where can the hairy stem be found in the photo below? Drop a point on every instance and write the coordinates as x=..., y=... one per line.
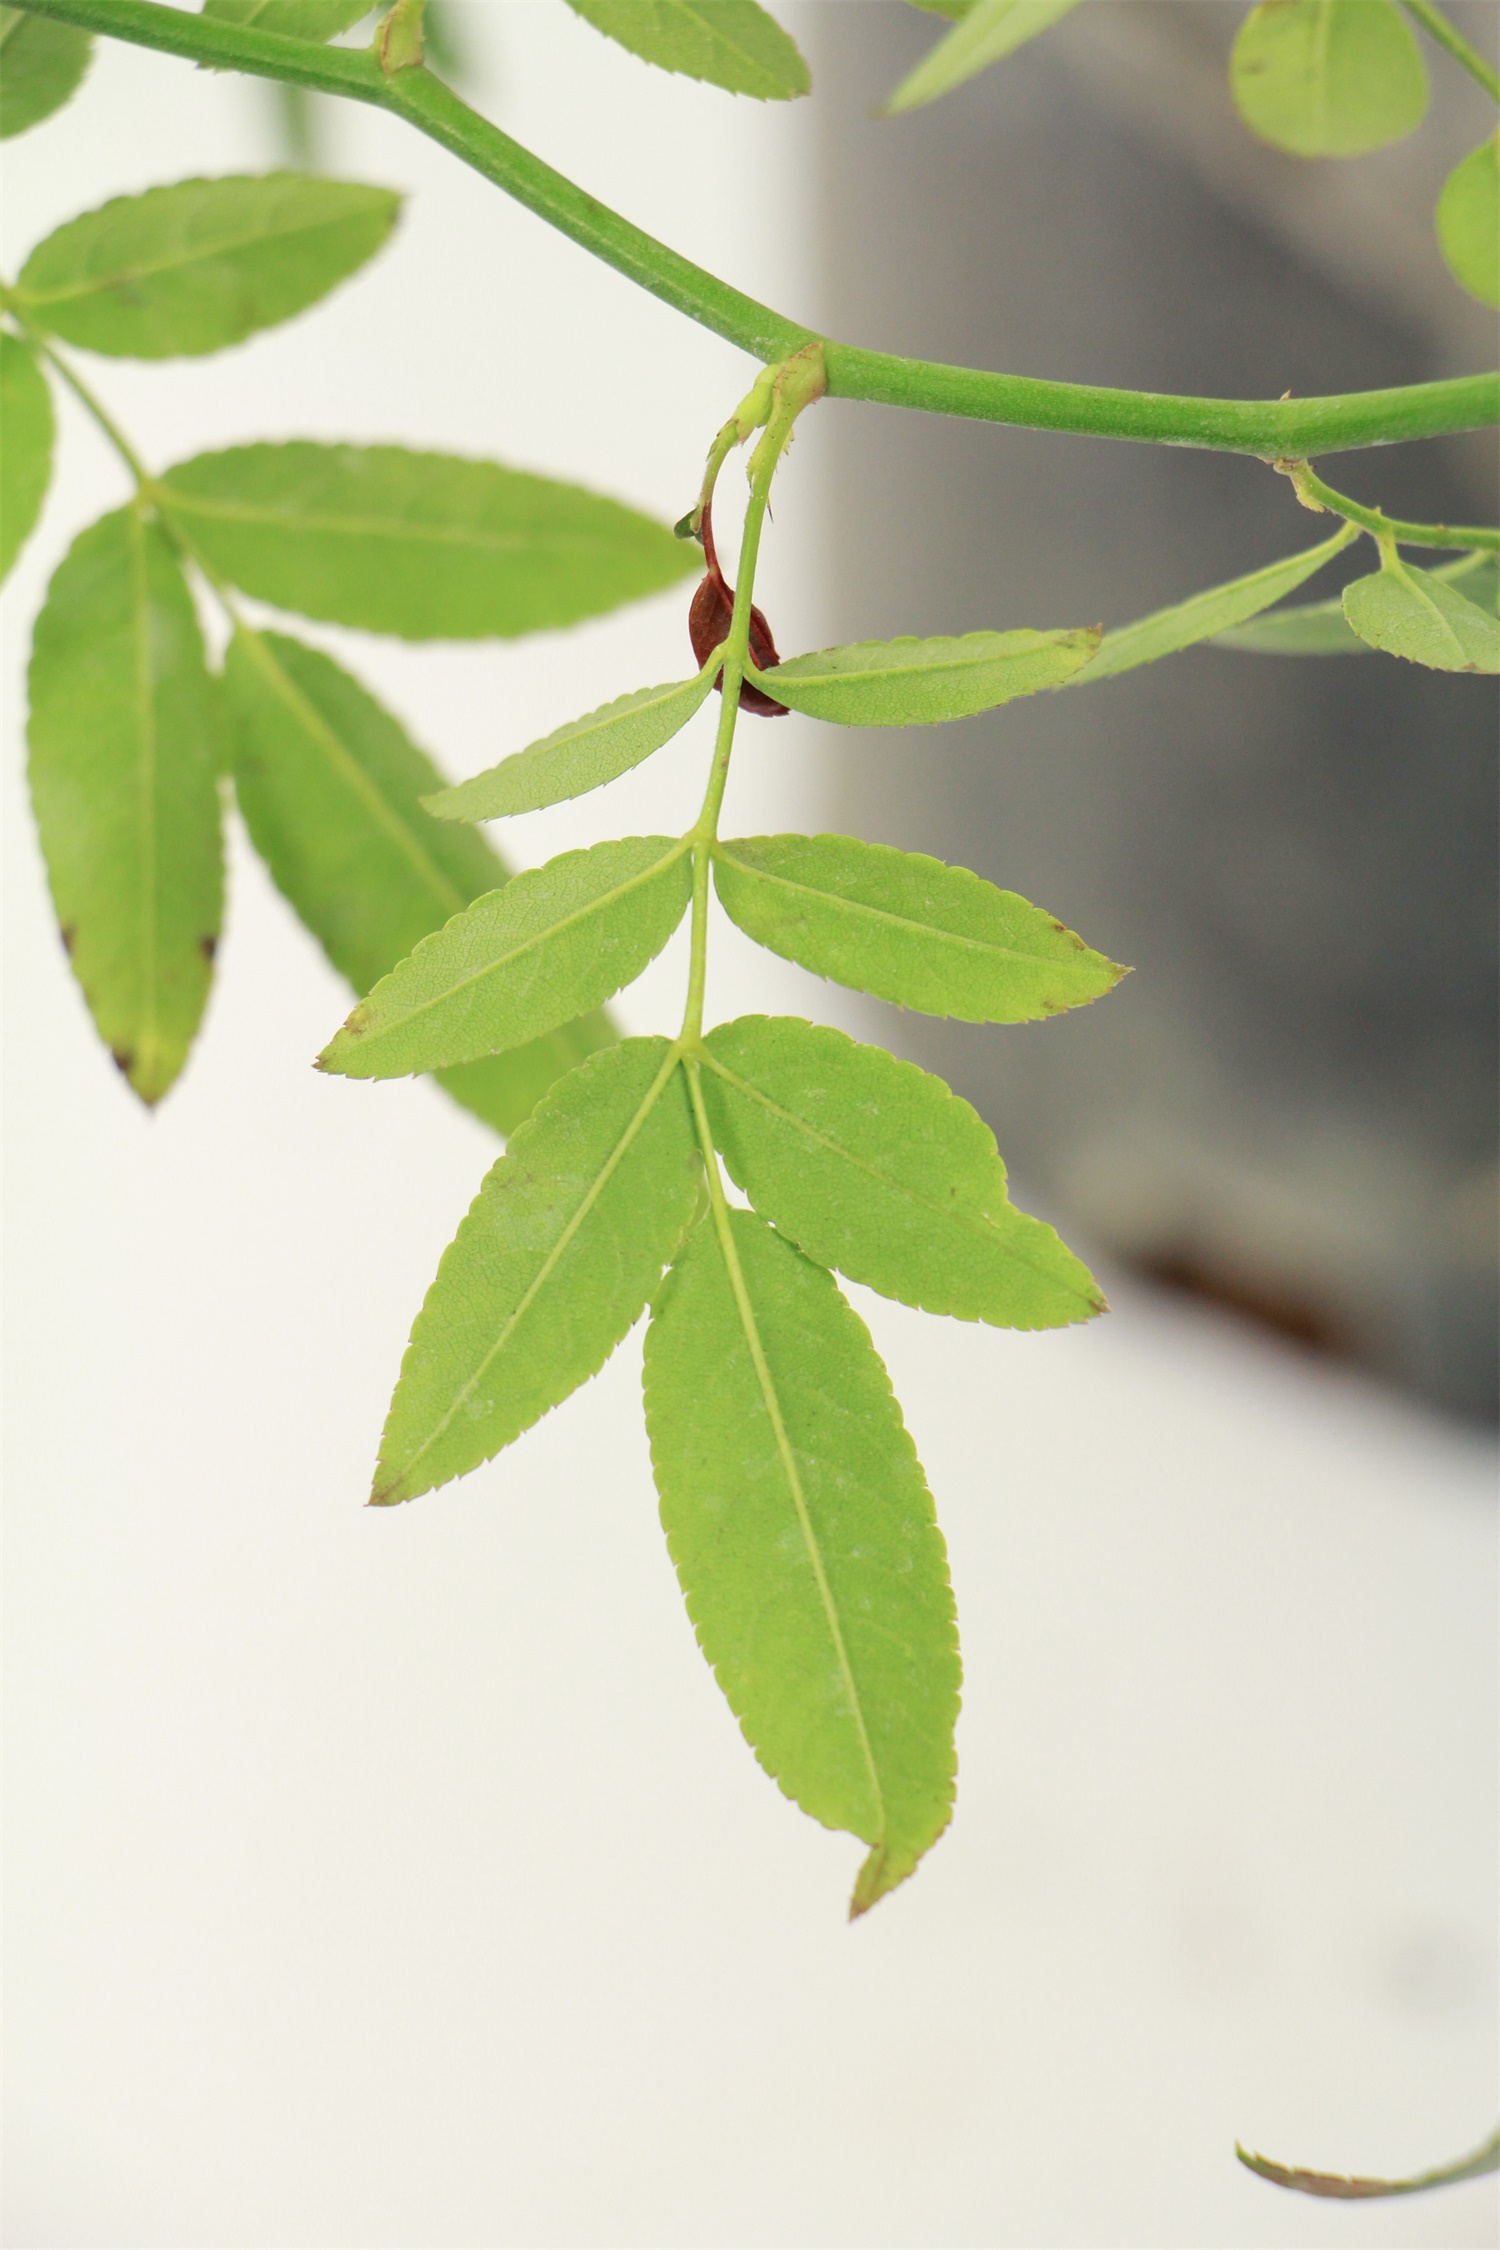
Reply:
x=1267, y=428
x=1437, y=27
x=1321, y=498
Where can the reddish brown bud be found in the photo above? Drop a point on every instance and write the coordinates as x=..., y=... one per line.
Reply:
x=708, y=626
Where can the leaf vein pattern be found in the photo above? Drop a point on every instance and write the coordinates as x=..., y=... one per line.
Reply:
x=549, y=1263
x=148, y=269
x=784, y=1446
x=925, y=930
x=445, y=890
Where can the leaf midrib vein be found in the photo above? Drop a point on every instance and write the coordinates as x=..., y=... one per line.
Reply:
x=448, y=893
x=558, y=747
x=719, y=37
x=969, y=1217
x=147, y=1060
x=99, y=285
x=935, y=671
x=294, y=522
x=748, y=1324
x=549, y=1263
x=506, y=960
x=925, y=930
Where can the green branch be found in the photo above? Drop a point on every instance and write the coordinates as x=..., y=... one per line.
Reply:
x=1437, y=27
x=1323, y=500
x=1269, y=428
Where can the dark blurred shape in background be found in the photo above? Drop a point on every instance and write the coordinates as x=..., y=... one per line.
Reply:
x=1291, y=1106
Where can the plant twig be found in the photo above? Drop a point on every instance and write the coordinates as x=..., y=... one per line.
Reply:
x=1267, y=428
x=1437, y=27
x=1321, y=498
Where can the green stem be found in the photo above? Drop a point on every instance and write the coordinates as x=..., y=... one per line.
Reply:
x=146, y=485
x=1315, y=494
x=1437, y=27
x=736, y=651
x=1268, y=428
x=85, y=397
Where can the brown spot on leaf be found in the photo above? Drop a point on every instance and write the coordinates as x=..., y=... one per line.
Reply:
x=208, y=946
x=69, y=936
x=124, y=1059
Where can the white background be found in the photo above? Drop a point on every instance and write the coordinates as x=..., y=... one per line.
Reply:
x=399, y=1877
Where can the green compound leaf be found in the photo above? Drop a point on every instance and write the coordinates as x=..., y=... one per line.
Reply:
x=424, y=545
x=560, y=1250
x=1321, y=628
x=124, y=779
x=1215, y=611
x=552, y=944
x=1468, y=222
x=907, y=928
x=909, y=683
x=317, y=20
x=329, y=784
x=184, y=270
x=1411, y=613
x=875, y=1167
x=803, y=1533
x=1328, y=77
x=41, y=65
x=731, y=43
x=1344, y=2189
x=579, y=757
x=27, y=422
x=988, y=31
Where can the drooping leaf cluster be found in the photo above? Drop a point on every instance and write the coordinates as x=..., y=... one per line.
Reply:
x=130, y=728
x=796, y=1512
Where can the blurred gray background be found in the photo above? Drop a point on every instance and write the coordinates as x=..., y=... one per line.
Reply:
x=1291, y=1105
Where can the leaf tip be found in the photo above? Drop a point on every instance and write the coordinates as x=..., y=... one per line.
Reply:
x=876, y=1877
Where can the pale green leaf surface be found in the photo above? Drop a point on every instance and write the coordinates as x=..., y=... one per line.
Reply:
x=1215, y=611
x=1321, y=628
x=730, y=43
x=328, y=783
x=804, y=1538
x=554, y=943
x=1328, y=77
x=41, y=66
x=876, y=1167
x=954, y=10
x=1411, y=613
x=1468, y=222
x=553, y=1265
x=581, y=756
x=987, y=32
x=317, y=20
x=908, y=682
x=425, y=545
x=124, y=780
x=907, y=928
x=188, y=269
x=27, y=427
